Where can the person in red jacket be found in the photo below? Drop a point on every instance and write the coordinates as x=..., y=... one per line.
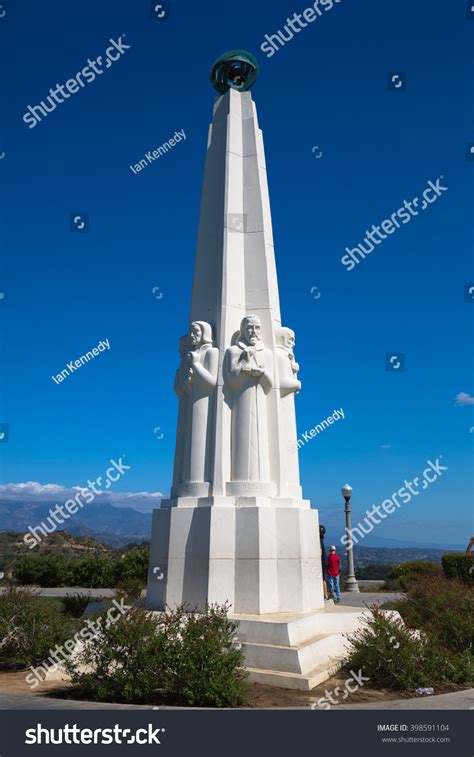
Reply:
x=333, y=575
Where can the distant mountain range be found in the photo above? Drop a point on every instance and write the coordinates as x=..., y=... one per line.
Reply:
x=98, y=519
x=395, y=555
x=118, y=518
x=110, y=539
x=381, y=542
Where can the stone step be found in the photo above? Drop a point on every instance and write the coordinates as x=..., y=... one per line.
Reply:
x=299, y=681
x=300, y=659
x=291, y=630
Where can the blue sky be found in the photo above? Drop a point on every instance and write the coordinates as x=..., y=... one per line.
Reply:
x=327, y=88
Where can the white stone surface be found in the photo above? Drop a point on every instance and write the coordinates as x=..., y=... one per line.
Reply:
x=236, y=527
x=298, y=651
x=258, y=559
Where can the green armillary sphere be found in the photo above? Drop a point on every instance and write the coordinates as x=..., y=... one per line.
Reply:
x=236, y=69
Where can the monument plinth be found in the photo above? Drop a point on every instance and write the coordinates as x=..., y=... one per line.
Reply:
x=236, y=528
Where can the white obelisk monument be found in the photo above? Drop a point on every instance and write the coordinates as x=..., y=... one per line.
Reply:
x=236, y=528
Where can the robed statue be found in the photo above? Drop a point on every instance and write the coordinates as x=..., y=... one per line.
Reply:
x=248, y=374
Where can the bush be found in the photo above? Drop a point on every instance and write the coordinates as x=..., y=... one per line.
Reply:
x=75, y=604
x=402, y=575
x=433, y=645
x=412, y=567
x=372, y=571
x=389, y=654
x=132, y=588
x=30, y=626
x=92, y=572
x=45, y=570
x=444, y=610
x=122, y=661
x=459, y=566
x=206, y=666
x=51, y=570
x=132, y=566
x=189, y=659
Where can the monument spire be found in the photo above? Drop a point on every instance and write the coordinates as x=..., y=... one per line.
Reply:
x=236, y=527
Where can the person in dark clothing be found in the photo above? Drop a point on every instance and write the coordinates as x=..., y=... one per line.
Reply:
x=333, y=574
x=322, y=532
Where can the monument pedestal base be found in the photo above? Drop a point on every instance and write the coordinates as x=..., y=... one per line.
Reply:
x=257, y=557
x=297, y=651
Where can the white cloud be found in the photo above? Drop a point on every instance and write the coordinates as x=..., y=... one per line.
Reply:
x=385, y=446
x=464, y=399
x=32, y=492
x=32, y=487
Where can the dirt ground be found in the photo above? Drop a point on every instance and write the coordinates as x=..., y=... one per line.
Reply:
x=260, y=696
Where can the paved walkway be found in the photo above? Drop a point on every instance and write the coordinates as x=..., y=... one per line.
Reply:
x=348, y=599
x=459, y=700
x=365, y=598
x=62, y=591
x=17, y=702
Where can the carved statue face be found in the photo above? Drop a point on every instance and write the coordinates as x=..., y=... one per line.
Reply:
x=195, y=335
x=289, y=339
x=286, y=339
x=252, y=331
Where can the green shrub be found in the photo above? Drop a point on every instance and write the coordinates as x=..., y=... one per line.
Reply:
x=47, y=570
x=206, y=667
x=30, y=626
x=132, y=565
x=432, y=646
x=189, y=659
x=51, y=570
x=372, y=571
x=388, y=653
x=443, y=609
x=401, y=576
x=392, y=584
x=411, y=567
x=92, y=572
x=131, y=588
x=459, y=566
x=75, y=604
x=122, y=661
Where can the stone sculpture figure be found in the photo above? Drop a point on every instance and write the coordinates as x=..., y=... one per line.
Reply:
x=289, y=386
x=179, y=381
x=248, y=374
x=287, y=365
x=199, y=384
